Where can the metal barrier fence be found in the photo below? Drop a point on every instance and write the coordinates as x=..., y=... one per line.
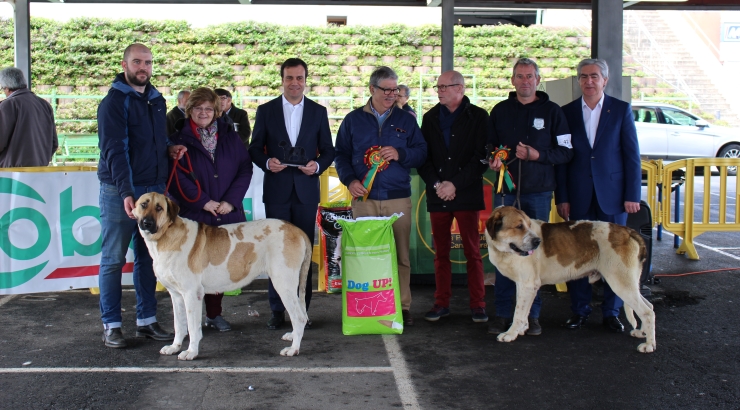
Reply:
x=687, y=227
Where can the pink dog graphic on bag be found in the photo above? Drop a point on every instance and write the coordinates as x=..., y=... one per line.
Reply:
x=368, y=304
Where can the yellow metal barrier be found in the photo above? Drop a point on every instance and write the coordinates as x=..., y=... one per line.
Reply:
x=689, y=228
x=332, y=191
x=653, y=178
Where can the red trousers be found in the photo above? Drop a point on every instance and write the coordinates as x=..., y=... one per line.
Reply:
x=467, y=221
x=213, y=305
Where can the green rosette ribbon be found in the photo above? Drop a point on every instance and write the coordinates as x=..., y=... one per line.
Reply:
x=504, y=176
x=375, y=164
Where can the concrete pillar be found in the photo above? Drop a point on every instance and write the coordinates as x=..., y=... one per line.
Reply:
x=23, y=38
x=448, y=35
x=607, y=22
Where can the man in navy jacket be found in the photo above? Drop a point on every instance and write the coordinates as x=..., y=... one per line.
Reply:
x=291, y=124
x=381, y=125
x=133, y=161
x=602, y=182
x=535, y=130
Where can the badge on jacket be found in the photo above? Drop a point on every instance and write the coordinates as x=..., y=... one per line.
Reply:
x=539, y=123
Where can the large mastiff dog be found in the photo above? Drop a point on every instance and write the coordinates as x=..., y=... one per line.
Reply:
x=192, y=259
x=534, y=253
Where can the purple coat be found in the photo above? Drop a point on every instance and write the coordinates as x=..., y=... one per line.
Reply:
x=225, y=179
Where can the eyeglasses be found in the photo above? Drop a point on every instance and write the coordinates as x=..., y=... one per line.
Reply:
x=223, y=98
x=207, y=110
x=388, y=91
x=443, y=87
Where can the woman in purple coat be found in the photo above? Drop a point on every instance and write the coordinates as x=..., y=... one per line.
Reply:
x=223, y=168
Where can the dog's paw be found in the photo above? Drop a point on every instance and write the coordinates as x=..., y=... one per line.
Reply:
x=646, y=348
x=506, y=337
x=288, y=337
x=187, y=355
x=170, y=350
x=637, y=333
x=289, y=351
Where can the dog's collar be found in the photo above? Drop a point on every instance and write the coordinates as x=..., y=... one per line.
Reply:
x=519, y=251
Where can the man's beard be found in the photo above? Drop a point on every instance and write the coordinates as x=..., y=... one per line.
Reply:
x=131, y=77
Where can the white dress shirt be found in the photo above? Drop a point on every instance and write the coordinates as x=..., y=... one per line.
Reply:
x=293, y=115
x=591, y=119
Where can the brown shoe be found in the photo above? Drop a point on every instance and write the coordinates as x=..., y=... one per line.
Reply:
x=407, y=319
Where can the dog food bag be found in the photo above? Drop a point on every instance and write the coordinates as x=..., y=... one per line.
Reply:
x=330, y=237
x=371, y=300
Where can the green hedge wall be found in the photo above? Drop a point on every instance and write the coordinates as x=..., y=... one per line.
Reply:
x=83, y=55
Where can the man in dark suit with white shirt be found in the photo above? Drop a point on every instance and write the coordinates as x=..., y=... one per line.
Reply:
x=292, y=143
x=602, y=181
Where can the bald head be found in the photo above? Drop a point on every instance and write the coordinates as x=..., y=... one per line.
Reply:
x=137, y=66
x=450, y=89
x=135, y=47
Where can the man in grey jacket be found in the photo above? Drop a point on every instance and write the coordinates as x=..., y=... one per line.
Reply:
x=28, y=136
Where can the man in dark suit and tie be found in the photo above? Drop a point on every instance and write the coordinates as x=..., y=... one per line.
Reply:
x=602, y=182
x=239, y=118
x=292, y=143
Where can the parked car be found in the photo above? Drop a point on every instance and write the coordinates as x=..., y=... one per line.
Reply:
x=671, y=133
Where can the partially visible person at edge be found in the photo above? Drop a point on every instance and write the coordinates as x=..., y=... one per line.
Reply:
x=535, y=130
x=291, y=193
x=381, y=123
x=28, y=136
x=236, y=116
x=222, y=166
x=603, y=181
x=133, y=161
x=178, y=112
x=455, y=131
x=403, y=98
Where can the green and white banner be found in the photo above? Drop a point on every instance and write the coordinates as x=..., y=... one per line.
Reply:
x=50, y=230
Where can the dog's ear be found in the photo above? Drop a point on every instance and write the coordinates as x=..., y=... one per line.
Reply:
x=494, y=223
x=172, y=209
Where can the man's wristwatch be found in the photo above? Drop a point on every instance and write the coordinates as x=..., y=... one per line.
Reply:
x=436, y=185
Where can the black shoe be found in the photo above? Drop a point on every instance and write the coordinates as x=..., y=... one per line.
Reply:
x=612, y=323
x=114, y=338
x=500, y=325
x=576, y=322
x=534, y=327
x=153, y=331
x=309, y=323
x=276, y=321
x=408, y=320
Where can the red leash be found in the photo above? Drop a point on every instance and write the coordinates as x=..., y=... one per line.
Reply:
x=177, y=178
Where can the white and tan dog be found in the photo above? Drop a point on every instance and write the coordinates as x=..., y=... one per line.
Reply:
x=192, y=259
x=534, y=253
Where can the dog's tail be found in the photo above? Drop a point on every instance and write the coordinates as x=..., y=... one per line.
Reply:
x=642, y=253
x=304, y=273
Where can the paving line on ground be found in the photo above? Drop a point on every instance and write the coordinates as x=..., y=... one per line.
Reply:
x=17, y=370
x=401, y=373
x=7, y=299
x=701, y=245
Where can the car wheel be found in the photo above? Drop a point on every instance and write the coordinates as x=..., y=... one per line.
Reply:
x=730, y=151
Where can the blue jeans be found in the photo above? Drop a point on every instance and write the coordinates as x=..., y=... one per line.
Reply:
x=580, y=289
x=537, y=206
x=118, y=230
